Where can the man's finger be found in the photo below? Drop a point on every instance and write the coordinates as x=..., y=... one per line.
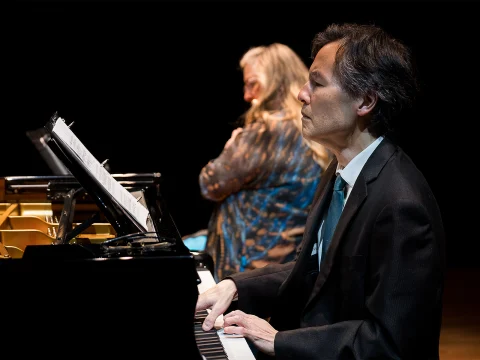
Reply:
x=233, y=320
x=201, y=304
x=210, y=319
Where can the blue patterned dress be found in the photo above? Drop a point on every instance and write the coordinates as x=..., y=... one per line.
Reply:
x=263, y=185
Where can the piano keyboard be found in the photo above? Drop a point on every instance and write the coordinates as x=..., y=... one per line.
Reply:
x=208, y=342
x=233, y=347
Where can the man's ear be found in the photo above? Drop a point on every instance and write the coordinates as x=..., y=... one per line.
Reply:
x=367, y=105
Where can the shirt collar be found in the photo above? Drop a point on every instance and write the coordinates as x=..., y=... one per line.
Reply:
x=350, y=172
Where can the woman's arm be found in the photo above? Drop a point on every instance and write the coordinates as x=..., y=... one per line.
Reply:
x=240, y=164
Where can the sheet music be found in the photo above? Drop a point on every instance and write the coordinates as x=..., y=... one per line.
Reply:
x=118, y=192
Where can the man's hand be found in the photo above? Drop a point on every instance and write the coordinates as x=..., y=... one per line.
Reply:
x=257, y=330
x=218, y=298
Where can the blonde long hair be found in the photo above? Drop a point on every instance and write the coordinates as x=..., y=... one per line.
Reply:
x=283, y=74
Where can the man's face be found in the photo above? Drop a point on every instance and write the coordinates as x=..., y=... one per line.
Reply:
x=329, y=113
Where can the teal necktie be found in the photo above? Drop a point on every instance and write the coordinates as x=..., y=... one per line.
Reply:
x=334, y=212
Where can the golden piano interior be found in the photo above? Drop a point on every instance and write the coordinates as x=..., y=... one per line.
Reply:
x=29, y=215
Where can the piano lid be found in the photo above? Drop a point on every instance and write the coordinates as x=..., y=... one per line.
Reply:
x=40, y=138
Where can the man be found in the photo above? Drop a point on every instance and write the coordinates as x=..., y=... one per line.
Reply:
x=374, y=291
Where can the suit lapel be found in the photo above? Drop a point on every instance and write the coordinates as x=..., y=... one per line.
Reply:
x=319, y=206
x=310, y=236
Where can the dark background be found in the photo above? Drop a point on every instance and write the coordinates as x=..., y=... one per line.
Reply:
x=155, y=87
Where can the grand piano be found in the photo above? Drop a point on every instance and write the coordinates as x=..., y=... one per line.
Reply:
x=93, y=264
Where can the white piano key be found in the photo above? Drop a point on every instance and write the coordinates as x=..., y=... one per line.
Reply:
x=236, y=347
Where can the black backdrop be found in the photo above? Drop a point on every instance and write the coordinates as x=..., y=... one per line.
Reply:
x=155, y=86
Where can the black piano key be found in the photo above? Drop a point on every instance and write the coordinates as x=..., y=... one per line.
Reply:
x=208, y=342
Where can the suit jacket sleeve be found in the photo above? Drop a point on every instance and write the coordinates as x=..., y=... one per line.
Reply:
x=258, y=289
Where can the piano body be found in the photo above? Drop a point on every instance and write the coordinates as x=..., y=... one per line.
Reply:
x=80, y=276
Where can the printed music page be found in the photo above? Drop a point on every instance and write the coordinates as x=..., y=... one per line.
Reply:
x=119, y=193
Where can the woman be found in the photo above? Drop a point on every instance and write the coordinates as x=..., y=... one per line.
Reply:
x=264, y=180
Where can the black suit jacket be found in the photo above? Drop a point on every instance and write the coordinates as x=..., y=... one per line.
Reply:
x=379, y=292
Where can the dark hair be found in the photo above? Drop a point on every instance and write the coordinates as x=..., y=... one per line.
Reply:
x=370, y=61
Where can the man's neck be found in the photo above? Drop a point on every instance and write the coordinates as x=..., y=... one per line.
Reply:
x=353, y=148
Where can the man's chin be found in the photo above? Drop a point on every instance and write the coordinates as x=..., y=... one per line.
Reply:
x=305, y=131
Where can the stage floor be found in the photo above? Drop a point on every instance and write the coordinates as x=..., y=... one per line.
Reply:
x=460, y=336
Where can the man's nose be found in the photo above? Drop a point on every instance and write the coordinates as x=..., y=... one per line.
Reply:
x=303, y=95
